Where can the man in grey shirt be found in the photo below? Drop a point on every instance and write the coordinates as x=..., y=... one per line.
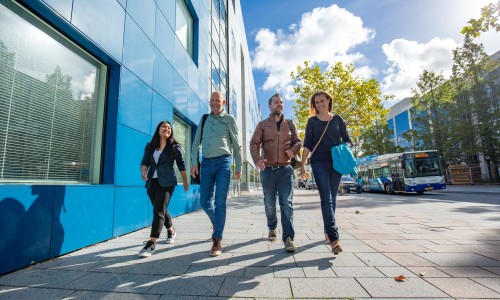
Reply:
x=220, y=139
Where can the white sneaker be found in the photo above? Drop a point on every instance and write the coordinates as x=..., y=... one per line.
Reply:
x=148, y=249
x=171, y=236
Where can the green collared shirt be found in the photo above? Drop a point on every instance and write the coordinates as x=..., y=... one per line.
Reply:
x=220, y=137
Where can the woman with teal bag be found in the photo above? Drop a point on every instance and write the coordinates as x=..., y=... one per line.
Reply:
x=323, y=131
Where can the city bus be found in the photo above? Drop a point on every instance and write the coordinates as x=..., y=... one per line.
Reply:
x=416, y=171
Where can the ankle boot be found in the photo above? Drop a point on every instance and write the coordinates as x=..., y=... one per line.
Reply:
x=216, y=247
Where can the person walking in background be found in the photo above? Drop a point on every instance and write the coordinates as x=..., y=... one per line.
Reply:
x=280, y=143
x=324, y=130
x=220, y=138
x=157, y=169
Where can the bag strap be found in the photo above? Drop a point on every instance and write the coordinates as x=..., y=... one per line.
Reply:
x=317, y=144
x=204, y=119
x=290, y=123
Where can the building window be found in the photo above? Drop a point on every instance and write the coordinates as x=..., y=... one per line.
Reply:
x=219, y=37
x=182, y=134
x=184, y=25
x=51, y=102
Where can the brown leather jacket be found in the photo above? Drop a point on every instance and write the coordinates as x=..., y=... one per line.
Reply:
x=274, y=143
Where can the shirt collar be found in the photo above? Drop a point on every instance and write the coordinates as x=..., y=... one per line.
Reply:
x=222, y=114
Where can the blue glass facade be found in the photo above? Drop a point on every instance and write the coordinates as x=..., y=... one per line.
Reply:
x=399, y=121
x=151, y=77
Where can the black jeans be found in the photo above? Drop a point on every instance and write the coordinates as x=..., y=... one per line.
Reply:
x=160, y=197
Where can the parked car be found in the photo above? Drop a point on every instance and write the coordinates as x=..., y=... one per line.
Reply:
x=300, y=184
x=350, y=185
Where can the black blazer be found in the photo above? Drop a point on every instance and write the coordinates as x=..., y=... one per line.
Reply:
x=164, y=167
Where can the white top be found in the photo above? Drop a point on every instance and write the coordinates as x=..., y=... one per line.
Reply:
x=156, y=156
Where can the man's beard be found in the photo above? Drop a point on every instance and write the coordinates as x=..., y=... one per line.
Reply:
x=277, y=113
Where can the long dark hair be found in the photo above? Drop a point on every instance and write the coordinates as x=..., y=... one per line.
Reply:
x=155, y=141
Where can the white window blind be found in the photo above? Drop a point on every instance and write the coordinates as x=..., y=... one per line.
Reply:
x=51, y=104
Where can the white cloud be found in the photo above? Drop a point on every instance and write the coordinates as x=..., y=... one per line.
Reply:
x=408, y=59
x=324, y=36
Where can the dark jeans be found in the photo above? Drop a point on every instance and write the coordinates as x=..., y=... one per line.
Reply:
x=215, y=174
x=160, y=197
x=328, y=181
x=279, y=182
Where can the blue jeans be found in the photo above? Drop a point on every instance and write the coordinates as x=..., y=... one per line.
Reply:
x=328, y=181
x=215, y=173
x=279, y=181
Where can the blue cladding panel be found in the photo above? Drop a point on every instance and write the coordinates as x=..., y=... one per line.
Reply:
x=83, y=215
x=167, y=7
x=104, y=27
x=163, y=80
x=138, y=51
x=129, y=151
x=180, y=94
x=183, y=202
x=193, y=75
x=193, y=102
x=62, y=7
x=142, y=12
x=135, y=102
x=25, y=224
x=165, y=37
x=131, y=209
x=122, y=3
x=162, y=110
x=181, y=59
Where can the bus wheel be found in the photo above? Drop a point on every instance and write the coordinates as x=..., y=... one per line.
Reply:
x=387, y=188
x=420, y=192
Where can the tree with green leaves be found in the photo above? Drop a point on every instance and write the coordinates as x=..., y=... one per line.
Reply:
x=359, y=102
x=376, y=140
x=431, y=100
x=475, y=76
x=490, y=16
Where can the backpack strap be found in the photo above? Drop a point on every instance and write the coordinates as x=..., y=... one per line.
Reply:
x=290, y=123
x=204, y=119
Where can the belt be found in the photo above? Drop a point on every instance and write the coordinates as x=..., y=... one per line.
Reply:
x=276, y=167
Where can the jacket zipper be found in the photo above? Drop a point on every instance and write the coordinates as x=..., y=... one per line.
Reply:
x=278, y=145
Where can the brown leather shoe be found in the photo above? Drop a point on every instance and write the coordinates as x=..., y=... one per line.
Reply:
x=216, y=247
x=336, y=248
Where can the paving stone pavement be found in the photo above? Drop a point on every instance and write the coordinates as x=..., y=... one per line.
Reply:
x=441, y=257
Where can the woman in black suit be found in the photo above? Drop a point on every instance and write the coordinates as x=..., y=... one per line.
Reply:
x=157, y=169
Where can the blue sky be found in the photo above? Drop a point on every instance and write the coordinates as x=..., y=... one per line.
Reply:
x=390, y=40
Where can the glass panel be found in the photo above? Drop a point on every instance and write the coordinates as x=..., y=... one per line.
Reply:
x=184, y=25
x=51, y=103
x=215, y=76
x=182, y=134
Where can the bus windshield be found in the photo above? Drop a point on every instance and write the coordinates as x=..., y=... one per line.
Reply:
x=421, y=167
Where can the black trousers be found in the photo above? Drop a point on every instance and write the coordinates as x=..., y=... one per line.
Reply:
x=160, y=197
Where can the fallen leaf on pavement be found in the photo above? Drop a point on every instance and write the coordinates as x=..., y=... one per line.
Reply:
x=400, y=278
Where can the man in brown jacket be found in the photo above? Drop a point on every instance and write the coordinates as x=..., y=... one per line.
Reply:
x=280, y=143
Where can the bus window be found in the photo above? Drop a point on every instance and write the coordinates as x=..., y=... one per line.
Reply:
x=410, y=170
x=427, y=167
